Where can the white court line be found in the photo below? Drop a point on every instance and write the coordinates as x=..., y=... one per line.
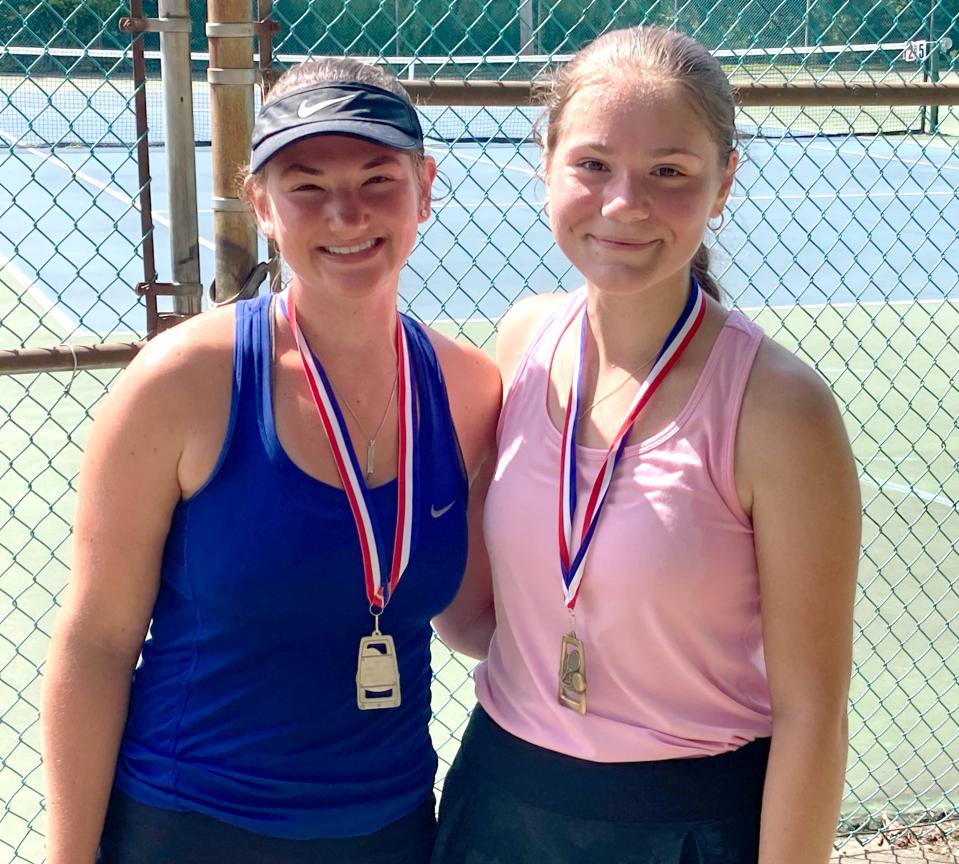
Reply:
x=35, y=291
x=928, y=497
x=786, y=307
x=57, y=162
x=437, y=206
x=50, y=307
x=832, y=196
x=900, y=460
x=486, y=161
x=865, y=152
x=510, y=206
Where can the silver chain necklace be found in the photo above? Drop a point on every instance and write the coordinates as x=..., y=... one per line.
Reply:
x=370, y=439
x=615, y=390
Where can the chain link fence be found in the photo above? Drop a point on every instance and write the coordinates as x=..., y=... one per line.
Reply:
x=841, y=242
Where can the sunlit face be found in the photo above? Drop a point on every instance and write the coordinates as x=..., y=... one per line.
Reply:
x=343, y=211
x=631, y=182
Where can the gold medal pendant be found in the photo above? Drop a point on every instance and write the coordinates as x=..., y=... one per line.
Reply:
x=572, y=674
x=377, y=673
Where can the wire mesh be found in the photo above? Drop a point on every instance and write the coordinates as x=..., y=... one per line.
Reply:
x=841, y=242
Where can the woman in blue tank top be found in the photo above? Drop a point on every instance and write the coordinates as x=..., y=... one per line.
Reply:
x=280, y=493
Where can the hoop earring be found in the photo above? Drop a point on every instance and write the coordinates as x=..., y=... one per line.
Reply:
x=719, y=225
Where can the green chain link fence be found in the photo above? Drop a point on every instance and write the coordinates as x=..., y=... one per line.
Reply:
x=842, y=245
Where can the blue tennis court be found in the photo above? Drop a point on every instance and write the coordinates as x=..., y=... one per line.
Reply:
x=812, y=221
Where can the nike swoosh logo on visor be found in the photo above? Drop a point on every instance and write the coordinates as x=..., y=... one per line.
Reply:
x=308, y=110
x=442, y=510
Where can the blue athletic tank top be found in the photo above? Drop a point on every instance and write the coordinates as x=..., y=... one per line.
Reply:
x=244, y=706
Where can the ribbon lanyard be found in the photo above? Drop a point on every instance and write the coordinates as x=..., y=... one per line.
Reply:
x=378, y=589
x=573, y=566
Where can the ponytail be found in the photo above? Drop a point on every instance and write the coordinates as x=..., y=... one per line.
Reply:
x=700, y=269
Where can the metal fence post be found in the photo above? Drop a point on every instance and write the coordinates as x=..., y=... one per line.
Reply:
x=230, y=30
x=181, y=159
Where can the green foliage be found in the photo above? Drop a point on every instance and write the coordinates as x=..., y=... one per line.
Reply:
x=470, y=27
x=441, y=27
x=64, y=23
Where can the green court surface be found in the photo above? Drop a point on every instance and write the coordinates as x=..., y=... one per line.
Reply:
x=891, y=366
x=46, y=419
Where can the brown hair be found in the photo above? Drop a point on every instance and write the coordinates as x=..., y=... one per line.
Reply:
x=663, y=56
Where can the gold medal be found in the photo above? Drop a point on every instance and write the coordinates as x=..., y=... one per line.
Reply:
x=572, y=673
x=377, y=672
x=572, y=658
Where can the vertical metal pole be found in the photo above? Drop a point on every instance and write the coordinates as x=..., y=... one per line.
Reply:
x=397, y=46
x=526, y=27
x=232, y=78
x=143, y=170
x=181, y=157
x=933, y=60
x=265, y=43
x=806, y=24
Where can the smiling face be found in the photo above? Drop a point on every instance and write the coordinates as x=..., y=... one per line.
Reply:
x=631, y=181
x=343, y=211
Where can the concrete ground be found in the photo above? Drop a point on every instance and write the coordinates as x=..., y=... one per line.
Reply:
x=883, y=853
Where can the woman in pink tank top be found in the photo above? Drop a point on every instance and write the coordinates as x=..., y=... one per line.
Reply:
x=673, y=523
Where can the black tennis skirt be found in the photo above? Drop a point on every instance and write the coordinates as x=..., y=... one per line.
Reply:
x=138, y=834
x=506, y=801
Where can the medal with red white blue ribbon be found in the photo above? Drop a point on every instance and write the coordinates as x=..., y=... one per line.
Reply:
x=377, y=676
x=572, y=675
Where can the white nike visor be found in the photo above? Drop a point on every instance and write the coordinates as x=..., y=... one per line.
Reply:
x=335, y=108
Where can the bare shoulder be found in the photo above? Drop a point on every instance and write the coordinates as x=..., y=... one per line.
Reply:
x=787, y=397
x=190, y=347
x=791, y=430
x=516, y=329
x=475, y=393
x=174, y=397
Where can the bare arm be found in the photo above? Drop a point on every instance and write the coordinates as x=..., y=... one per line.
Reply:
x=129, y=484
x=468, y=624
x=475, y=393
x=799, y=478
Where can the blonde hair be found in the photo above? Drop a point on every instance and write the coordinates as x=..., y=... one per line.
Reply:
x=658, y=55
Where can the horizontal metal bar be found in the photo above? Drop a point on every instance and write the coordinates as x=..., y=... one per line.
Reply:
x=841, y=93
x=465, y=93
x=63, y=358
x=169, y=289
x=519, y=93
x=155, y=25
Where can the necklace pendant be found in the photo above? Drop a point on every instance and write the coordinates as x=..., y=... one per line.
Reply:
x=572, y=674
x=370, y=457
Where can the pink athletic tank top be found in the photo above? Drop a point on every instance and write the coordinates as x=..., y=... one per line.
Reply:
x=669, y=605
